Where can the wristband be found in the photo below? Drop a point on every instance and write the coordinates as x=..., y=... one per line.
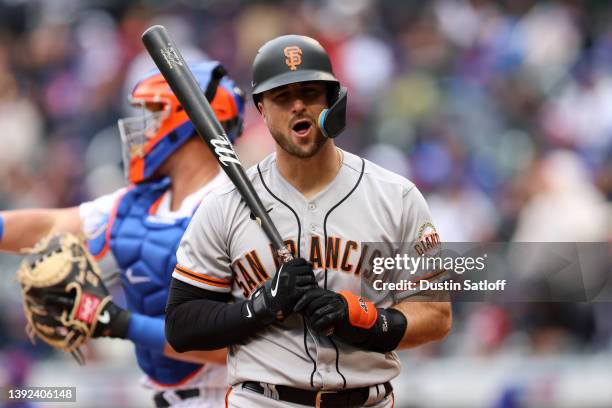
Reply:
x=383, y=336
x=260, y=309
x=147, y=331
x=388, y=331
x=1, y=227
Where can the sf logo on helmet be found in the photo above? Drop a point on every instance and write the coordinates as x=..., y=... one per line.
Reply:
x=294, y=56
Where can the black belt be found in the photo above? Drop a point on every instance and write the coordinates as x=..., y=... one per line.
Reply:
x=353, y=397
x=162, y=402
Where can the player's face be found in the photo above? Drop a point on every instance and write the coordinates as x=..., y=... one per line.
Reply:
x=291, y=113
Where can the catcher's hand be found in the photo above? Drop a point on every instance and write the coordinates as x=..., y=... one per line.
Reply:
x=65, y=300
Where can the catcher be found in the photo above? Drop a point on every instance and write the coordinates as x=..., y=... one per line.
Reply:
x=137, y=231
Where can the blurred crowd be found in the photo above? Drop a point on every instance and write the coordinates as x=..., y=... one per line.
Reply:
x=499, y=111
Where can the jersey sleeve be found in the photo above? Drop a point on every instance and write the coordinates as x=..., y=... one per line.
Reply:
x=420, y=240
x=96, y=213
x=202, y=257
x=96, y=218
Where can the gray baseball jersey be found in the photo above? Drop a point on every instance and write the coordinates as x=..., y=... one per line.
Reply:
x=225, y=250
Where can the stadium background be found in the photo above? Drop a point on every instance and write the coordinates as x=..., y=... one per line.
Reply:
x=501, y=113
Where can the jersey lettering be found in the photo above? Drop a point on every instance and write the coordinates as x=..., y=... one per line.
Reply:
x=240, y=284
x=332, y=250
x=341, y=255
x=364, y=252
x=256, y=266
x=345, y=266
x=245, y=276
x=315, y=253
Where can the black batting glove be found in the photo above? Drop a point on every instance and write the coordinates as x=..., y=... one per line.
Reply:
x=275, y=299
x=113, y=321
x=322, y=309
x=352, y=319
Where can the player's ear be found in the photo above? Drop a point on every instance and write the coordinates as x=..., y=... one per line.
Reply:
x=262, y=111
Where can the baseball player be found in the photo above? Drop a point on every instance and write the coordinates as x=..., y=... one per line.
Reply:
x=138, y=229
x=299, y=334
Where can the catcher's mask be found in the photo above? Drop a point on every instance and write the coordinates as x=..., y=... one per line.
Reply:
x=163, y=125
x=296, y=58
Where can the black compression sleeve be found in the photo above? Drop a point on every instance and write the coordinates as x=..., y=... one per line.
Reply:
x=389, y=331
x=384, y=336
x=199, y=319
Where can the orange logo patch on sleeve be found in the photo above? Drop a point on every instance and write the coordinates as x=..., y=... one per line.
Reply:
x=294, y=56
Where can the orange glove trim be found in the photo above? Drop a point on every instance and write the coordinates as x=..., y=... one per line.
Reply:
x=361, y=313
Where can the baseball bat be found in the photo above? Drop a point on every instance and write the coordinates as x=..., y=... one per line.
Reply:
x=172, y=66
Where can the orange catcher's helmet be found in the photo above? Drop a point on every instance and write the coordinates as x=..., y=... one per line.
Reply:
x=150, y=138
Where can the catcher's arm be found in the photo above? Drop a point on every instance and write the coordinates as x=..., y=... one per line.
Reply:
x=145, y=331
x=24, y=228
x=66, y=302
x=149, y=332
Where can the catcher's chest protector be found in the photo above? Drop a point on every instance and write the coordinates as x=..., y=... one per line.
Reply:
x=145, y=249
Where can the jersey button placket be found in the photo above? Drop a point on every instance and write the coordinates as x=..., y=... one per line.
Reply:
x=311, y=216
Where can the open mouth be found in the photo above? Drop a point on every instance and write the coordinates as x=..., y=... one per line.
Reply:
x=302, y=127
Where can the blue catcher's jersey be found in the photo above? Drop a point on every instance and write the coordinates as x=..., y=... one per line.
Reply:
x=145, y=250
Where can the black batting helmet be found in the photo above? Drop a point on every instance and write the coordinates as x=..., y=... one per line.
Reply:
x=289, y=59
x=296, y=58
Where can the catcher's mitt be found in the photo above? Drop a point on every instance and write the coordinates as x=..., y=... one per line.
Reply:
x=63, y=292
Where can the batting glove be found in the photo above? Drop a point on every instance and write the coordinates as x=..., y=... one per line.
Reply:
x=275, y=299
x=352, y=319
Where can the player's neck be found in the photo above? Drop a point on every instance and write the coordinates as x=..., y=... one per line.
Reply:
x=310, y=176
x=190, y=168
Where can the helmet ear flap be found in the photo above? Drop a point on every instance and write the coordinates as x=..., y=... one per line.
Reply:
x=333, y=91
x=332, y=121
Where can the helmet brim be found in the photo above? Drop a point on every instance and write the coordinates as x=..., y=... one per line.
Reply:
x=292, y=77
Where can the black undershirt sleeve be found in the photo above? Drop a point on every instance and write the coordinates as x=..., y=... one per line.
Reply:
x=199, y=319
